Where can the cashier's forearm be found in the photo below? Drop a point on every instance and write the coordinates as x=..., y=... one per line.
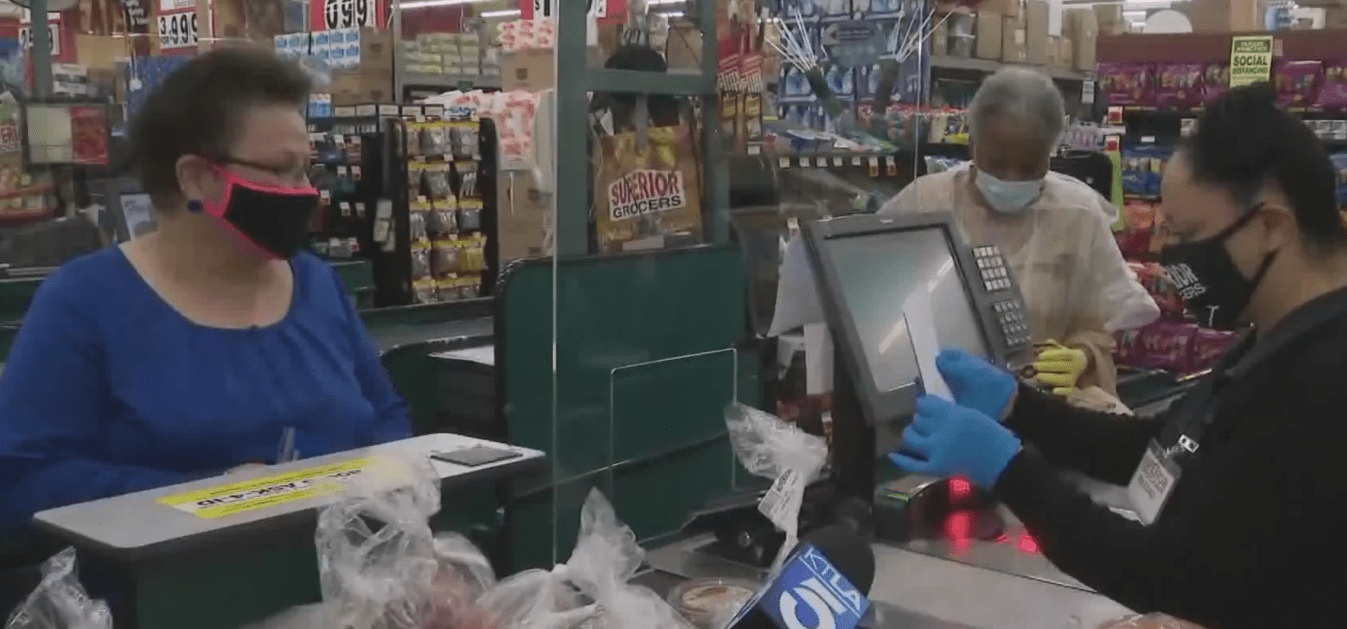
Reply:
x=1105, y=446
x=72, y=481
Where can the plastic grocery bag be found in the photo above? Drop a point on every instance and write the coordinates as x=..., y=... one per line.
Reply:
x=771, y=448
x=60, y=602
x=376, y=552
x=605, y=558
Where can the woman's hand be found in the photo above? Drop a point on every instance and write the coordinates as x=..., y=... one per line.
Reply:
x=946, y=439
x=245, y=468
x=977, y=384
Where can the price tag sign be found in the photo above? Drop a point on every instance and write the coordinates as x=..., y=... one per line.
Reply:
x=1250, y=60
x=53, y=32
x=599, y=9
x=330, y=14
x=178, y=30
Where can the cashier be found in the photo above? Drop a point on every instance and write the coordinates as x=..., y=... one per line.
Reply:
x=211, y=345
x=1237, y=490
x=1053, y=229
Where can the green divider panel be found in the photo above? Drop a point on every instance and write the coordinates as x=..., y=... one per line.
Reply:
x=650, y=348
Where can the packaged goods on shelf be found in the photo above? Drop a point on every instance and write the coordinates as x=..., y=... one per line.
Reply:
x=1340, y=162
x=1142, y=168
x=1125, y=83
x=1178, y=85
x=1179, y=347
x=1297, y=82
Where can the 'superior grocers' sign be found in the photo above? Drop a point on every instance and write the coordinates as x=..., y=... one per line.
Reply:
x=645, y=192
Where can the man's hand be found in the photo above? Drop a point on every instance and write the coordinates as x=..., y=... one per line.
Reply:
x=1061, y=367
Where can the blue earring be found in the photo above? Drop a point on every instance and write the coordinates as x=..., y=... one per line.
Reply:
x=194, y=207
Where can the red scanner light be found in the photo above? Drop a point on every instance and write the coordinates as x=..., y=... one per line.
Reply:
x=959, y=490
x=1027, y=545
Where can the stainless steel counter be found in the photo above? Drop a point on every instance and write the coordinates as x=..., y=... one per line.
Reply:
x=917, y=591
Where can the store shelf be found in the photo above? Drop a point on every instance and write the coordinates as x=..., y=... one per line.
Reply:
x=988, y=66
x=451, y=81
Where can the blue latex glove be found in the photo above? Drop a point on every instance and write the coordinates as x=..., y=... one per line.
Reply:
x=976, y=383
x=946, y=439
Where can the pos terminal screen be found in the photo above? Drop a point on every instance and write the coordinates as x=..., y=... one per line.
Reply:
x=877, y=273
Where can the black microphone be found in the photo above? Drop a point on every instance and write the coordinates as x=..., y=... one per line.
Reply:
x=824, y=583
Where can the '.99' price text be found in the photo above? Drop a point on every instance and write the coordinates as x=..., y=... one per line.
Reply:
x=350, y=13
x=178, y=30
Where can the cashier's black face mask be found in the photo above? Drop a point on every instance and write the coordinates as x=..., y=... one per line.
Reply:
x=273, y=219
x=1213, y=290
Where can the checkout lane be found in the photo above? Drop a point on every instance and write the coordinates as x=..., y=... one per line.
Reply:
x=968, y=566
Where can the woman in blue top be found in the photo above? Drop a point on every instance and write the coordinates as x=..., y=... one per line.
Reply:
x=195, y=350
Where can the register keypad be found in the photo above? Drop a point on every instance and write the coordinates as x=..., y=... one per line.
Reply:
x=1010, y=314
x=992, y=268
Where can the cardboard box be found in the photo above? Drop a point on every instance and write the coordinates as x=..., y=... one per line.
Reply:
x=1014, y=47
x=529, y=70
x=1084, y=53
x=1007, y=8
x=365, y=85
x=1335, y=18
x=1110, y=18
x=1066, y=53
x=684, y=47
x=101, y=52
x=521, y=216
x=988, y=32
x=1036, y=31
x=1082, y=27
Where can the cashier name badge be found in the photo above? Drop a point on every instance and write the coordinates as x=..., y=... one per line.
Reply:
x=1152, y=483
x=260, y=493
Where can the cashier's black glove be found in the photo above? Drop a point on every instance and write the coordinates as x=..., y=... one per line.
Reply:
x=946, y=439
x=976, y=383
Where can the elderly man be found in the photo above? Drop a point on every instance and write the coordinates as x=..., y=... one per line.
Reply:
x=1053, y=229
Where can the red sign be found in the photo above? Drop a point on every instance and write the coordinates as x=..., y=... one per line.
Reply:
x=89, y=131
x=325, y=15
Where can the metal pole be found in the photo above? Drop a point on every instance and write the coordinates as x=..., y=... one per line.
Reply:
x=40, y=53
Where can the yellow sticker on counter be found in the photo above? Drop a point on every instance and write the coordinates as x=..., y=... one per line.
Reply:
x=261, y=493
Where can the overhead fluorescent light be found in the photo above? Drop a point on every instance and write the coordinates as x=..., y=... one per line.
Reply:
x=504, y=13
x=651, y=3
x=421, y=4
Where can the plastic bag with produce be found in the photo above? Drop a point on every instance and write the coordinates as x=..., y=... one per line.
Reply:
x=771, y=448
x=60, y=602
x=605, y=558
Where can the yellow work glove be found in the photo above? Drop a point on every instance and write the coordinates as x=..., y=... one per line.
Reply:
x=1060, y=367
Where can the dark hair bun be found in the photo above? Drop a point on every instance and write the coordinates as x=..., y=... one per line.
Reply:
x=1244, y=141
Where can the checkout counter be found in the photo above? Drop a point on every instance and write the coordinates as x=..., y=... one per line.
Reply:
x=892, y=291
x=221, y=552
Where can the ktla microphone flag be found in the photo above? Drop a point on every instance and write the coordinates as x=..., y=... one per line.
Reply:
x=809, y=593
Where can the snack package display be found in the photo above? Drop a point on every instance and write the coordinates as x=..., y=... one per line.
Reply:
x=59, y=602
x=1333, y=88
x=1125, y=83
x=648, y=190
x=1340, y=163
x=1143, y=167
x=771, y=448
x=1178, y=85
x=1297, y=82
x=1215, y=80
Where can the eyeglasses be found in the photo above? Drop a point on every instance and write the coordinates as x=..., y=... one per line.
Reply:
x=296, y=173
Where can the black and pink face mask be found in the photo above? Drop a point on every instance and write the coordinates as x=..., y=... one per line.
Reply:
x=273, y=219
